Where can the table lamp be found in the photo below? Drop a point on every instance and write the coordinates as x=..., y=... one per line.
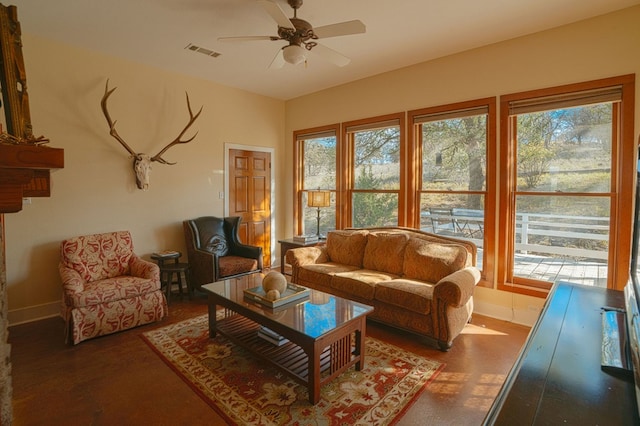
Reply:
x=319, y=199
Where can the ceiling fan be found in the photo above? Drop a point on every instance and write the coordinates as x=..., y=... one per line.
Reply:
x=301, y=36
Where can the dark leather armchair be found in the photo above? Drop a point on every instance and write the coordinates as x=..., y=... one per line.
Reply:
x=215, y=253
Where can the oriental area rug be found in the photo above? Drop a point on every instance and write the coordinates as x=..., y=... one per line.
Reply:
x=246, y=391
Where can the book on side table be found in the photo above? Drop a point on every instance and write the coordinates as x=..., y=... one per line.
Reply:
x=305, y=239
x=166, y=254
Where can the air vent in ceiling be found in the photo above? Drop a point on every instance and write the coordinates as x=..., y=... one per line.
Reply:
x=202, y=50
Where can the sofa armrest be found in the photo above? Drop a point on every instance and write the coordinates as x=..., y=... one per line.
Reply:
x=72, y=282
x=457, y=288
x=307, y=255
x=144, y=269
x=252, y=252
x=203, y=265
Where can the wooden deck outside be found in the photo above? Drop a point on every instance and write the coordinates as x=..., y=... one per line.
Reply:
x=558, y=265
x=550, y=269
x=588, y=272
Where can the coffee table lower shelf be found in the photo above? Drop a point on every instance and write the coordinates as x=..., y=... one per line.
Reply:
x=290, y=357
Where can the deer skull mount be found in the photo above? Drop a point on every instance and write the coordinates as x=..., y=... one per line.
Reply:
x=142, y=162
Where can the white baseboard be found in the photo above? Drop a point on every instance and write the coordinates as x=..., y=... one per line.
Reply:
x=33, y=313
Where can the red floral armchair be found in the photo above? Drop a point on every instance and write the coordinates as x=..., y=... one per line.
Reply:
x=106, y=286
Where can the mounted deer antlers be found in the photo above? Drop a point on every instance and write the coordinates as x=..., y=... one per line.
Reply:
x=142, y=162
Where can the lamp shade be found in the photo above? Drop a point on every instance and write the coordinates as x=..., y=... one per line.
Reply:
x=294, y=54
x=319, y=199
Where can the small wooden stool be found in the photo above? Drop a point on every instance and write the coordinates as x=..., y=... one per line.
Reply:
x=168, y=270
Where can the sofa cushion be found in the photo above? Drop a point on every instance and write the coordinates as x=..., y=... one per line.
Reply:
x=111, y=290
x=346, y=247
x=430, y=262
x=98, y=256
x=413, y=295
x=321, y=273
x=234, y=265
x=361, y=283
x=385, y=252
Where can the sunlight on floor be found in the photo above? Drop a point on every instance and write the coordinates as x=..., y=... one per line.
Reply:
x=449, y=383
x=480, y=329
x=484, y=391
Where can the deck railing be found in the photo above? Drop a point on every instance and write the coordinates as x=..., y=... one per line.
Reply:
x=549, y=247
x=560, y=235
x=563, y=229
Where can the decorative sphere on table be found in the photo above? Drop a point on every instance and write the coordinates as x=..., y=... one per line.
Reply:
x=273, y=295
x=274, y=280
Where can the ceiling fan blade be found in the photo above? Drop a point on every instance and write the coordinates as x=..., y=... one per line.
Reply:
x=331, y=55
x=276, y=13
x=278, y=61
x=340, y=29
x=248, y=38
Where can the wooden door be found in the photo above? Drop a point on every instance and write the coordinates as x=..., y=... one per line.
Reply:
x=250, y=197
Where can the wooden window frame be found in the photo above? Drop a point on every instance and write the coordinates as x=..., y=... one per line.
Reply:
x=622, y=186
x=415, y=171
x=299, y=137
x=347, y=189
x=499, y=167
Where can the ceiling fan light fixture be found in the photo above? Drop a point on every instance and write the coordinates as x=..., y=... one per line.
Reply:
x=294, y=54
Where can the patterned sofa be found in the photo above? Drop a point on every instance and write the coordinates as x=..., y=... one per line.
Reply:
x=106, y=286
x=416, y=281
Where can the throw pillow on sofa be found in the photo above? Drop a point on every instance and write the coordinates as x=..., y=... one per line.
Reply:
x=430, y=262
x=346, y=247
x=385, y=252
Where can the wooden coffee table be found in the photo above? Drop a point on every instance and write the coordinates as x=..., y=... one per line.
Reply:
x=326, y=333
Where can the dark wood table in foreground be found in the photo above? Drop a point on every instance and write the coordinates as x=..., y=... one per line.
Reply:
x=326, y=333
x=557, y=378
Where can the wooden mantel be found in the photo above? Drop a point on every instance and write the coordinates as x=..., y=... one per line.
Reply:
x=24, y=171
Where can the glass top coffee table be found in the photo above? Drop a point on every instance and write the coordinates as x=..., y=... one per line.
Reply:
x=325, y=333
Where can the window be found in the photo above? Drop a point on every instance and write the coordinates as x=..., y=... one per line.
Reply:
x=316, y=151
x=557, y=191
x=565, y=149
x=374, y=171
x=452, y=143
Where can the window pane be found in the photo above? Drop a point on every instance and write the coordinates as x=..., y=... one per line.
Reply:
x=327, y=217
x=565, y=150
x=374, y=209
x=562, y=237
x=455, y=215
x=319, y=163
x=454, y=154
x=377, y=158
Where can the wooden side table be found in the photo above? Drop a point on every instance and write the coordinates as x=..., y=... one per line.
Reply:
x=288, y=244
x=170, y=269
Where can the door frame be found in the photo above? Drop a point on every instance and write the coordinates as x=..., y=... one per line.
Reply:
x=228, y=147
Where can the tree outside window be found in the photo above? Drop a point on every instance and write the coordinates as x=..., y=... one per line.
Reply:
x=376, y=171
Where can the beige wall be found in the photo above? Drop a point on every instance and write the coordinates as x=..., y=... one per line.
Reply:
x=96, y=191
x=606, y=46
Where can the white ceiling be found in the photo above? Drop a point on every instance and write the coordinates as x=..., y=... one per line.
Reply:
x=399, y=33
